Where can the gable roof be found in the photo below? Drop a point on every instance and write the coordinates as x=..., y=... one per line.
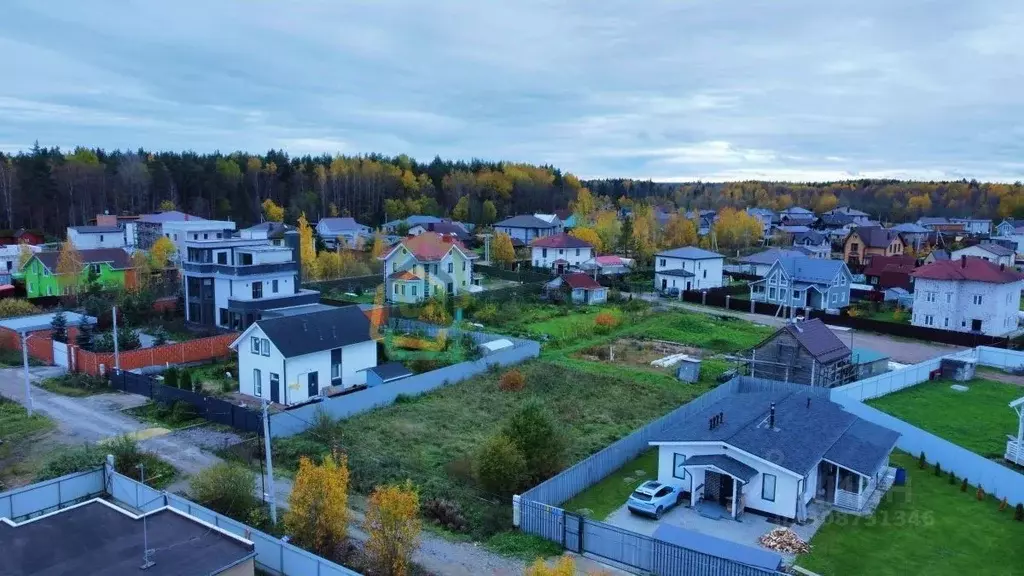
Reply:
x=430, y=247
x=838, y=219
x=817, y=339
x=996, y=249
x=910, y=228
x=526, y=221
x=809, y=236
x=559, y=241
x=939, y=255
x=168, y=216
x=811, y=270
x=932, y=220
x=770, y=255
x=875, y=236
x=116, y=257
x=807, y=428
x=582, y=281
x=316, y=331
x=445, y=227
x=879, y=264
x=968, y=268
x=341, y=224
x=689, y=253
x=796, y=211
x=273, y=229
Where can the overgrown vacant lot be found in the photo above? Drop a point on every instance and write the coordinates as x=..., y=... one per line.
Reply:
x=20, y=434
x=432, y=439
x=978, y=419
x=926, y=527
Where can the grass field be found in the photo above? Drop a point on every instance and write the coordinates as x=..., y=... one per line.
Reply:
x=978, y=419
x=609, y=494
x=925, y=527
x=18, y=433
x=75, y=385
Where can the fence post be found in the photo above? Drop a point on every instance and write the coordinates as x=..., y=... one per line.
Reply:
x=516, y=514
x=727, y=299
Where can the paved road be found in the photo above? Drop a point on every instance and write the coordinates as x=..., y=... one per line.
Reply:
x=899, y=349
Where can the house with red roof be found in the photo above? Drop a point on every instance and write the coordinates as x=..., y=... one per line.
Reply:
x=884, y=272
x=560, y=252
x=579, y=287
x=968, y=294
x=608, y=265
x=425, y=266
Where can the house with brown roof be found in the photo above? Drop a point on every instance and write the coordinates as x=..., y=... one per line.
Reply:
x=425, y=266
x=968, y=294
x=866, y=241
x=560, y=252
x=884, y=272
x=806, y=352
x=579, y=287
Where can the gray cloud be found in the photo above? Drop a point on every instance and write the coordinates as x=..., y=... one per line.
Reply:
x=663, y=89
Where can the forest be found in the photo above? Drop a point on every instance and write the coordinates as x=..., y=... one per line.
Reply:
x=49, y=189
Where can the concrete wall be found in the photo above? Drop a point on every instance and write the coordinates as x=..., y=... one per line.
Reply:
x=953, y=305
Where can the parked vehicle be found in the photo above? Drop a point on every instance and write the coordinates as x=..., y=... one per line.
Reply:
x=670, y=292
x=654, y=499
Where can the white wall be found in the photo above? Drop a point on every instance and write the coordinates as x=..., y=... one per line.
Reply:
x=545, y=257
x=247, y=362
x=355, y=359
x=982, y=253
x=707, y=273
x=179, y=232
x=954, y=301
x=91, y=241
x=526, y=234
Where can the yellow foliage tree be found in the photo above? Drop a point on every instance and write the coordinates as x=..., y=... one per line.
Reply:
x=644, y=226
x=393, y=525
x=589, y=236
x=737, y=229
x=307, y=249
x=379, y=247
x=161, y=252
x=143, y=270
x=318, y=515
x=272, y=212
x=502, y=251
x=608, y=227
x=25, y=254
x=69, y=267
x=332, y=210
x=328, y=265
x=583, y=206
x=679, y=231
x=825, y=202
x=564, y=566
x=166, y=206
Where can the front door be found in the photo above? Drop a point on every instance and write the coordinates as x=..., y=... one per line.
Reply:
x=275, y=391
x=976, y=325
x=664, y=283
x=687, y=285
x=314, y=384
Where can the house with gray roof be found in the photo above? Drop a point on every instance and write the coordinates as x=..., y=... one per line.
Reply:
x=773, y=453
x=759, y=264
x=816, y=244
x=805, y=283
x=687, y=268
x=528, y=227
x=333, y=230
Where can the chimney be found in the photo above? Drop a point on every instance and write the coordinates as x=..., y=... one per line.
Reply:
x=771, y=416
x=963, y=261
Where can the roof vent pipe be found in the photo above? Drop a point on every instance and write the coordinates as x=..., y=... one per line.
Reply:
x=771, y=416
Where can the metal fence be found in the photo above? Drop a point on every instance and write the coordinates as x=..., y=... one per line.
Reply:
x=45, y=497
x=207, y=407
x=889, y=382
x=1000, y=358
x=272, y=554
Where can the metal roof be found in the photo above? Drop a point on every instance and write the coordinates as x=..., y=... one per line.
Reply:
x=43, y=321
x=679, y=273
x=811, y=270
x=390, y=371
x=727, y=464
x=317, y=331
x=525, y=221
x=818, y=340
x=689, y=253
x=770, y=255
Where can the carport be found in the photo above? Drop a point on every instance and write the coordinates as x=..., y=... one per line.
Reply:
x=724, y=478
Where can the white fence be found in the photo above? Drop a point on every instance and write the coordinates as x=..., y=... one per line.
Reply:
x=883, y=384
x=51, y=495
x=60, y=354
x=1000, y=358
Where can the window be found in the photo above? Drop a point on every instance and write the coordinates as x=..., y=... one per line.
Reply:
x=677, y=466
x=451, y=267
x=945, y=322
x=335, y=366
x=255, y=344
x=195, y=236
x=463, y=265
x=771, y=293
x=224, y=317
x=929, y=320
x=929, y=296
x=396, y=288
x=275, y=381
x=835, y=298
x=94, y=268
x=403, y=289
x=257, y=290
x=784, y=294
x=101, y=237
x=797, y=294
x=264, y=347
x=663, y=262
x=577, y=251
x=561, y=252
x=413, y=289
x=394, y=266
x=222, y=258
x=219, y=236
x=257, y=383
x=543, y=252
x=977, y=299
x=206, y=236
x=273, y=286
x=949, y=297
x=705, y=273
x=768, y=487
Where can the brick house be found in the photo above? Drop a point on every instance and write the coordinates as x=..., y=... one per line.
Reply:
x=967, y=295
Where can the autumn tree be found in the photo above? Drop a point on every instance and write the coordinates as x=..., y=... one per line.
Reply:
x=25, y=254
x=307, y=248
x=589, y=236
x=489, y=214
x=379, y=246
x=643, y=232
x=328, y=265
x=272, y=212
x=161, y=252
x=69, y=267
x=679, y=232
x=564, y=566
x=737, y=229
x=166, y=206
x=143, y=270
x=318, y=514
x=502, y=251
x=608, y=227
x=461, y=209
x=583, y=206
x=393, y=525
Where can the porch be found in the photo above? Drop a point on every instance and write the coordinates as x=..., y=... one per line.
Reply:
x=1014, y=451
x=851, y=491
x=720, y=495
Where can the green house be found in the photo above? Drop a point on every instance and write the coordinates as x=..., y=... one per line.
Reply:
x=112, y=267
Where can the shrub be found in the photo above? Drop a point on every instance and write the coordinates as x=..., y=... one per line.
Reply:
x=446, y=513
x=182, y=412
x=1003, y=504
x=11, y=307
x=538, y=437
x=393, y=526
x=952, y=478
x=185, y=381
x=318, y=515
x=501, y=466
x=512, y=381
x=564, y=566
x=171, y=377
x=1018, y=513
x=938, y=469
x=980, y=493
x=921, y=463
x=226, y=488
x=421, y=365
x=963, y=485
x=605, y=321
x=71, y=460
x=127, y=456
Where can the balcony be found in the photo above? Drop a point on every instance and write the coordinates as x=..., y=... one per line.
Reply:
x=242, y=270
x=269, y=302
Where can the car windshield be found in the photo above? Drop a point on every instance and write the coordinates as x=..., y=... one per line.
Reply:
x=641, y=496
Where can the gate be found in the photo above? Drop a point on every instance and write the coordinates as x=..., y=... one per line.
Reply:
x=60, y=354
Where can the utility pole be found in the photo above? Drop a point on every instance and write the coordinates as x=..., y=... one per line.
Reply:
x=117, y=355
x=28, y=384
x=269, y=495
x=146, y=560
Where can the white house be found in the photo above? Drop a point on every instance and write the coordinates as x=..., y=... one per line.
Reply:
x=181, y=231
x=91, y=237
x=992, y=252
x=9, y=256
x=329, y=230
x=527, y=227
x=560, y=252
x=967, y=295
x=774, y=452
x=975, y=226
x=271, y=231
x=291, y=359
x=687, y=268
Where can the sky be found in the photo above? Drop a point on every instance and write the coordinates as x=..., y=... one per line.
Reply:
x=675, y=90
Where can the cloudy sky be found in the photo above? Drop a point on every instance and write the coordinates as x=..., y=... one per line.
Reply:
x=670, y=90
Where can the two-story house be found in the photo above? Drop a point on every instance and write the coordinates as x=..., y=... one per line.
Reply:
x=855, y=216
x=967, y=295
x=866, y=241
x=989, y=251
x=796, y=216
x=425, y=266
x=111, y=267
x=975, y=226
x=142, y=232
x=10, y=255
x=231, y=282
x=332, y=230
x=292, y=358
x=765, y=216
x=528, y=227
x=815, y=243
x=805, y=283
x=687, y=268
x=885, y=272
x=560, y=252
x=181, y=231
x=758, y=264
x=91, y=237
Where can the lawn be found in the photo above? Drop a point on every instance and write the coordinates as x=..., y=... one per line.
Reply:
x=978, y=419
x=609, y=494
x=925, y=527
x=12, y=358
x=18, y=433
x=174, y=416
x=76, y=385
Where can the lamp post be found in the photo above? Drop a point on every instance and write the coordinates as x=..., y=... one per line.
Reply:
x=24, y=360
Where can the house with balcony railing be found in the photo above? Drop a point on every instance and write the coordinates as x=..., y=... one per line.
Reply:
x=232, y=282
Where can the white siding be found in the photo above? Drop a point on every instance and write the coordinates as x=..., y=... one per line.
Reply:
x=545, y=257
x=953, y=305
x=707, y=272
x=247, y=362
x=299, y=368
x=982, y=253
x=355, y=359
x=102, y=240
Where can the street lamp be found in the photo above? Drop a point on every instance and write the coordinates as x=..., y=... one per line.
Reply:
x=24, y=359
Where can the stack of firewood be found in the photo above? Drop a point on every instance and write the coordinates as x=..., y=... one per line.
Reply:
x=784, y=540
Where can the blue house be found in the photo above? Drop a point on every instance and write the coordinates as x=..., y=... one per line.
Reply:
x=804, y=283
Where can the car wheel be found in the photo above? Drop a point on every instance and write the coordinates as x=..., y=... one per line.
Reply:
x=657, y=513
